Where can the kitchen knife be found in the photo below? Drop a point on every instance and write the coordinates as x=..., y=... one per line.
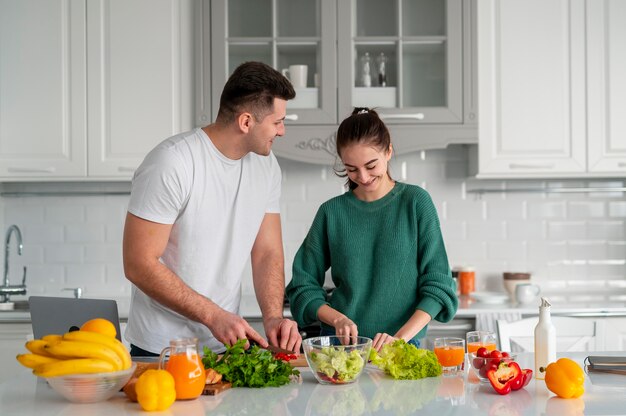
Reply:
x=273, y=349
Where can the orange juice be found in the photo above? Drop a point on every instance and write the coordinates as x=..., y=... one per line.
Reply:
x=450, y=356
x=188, y=372
x=474, y=346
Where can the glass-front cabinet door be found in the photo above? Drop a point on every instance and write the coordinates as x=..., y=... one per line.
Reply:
x=297, y=37
x=403, y=57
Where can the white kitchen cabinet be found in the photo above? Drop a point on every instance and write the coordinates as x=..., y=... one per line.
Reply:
x=42, y=89
x=13, y=336
x=606, y=83
x=427, y=101
x=107, y=80
x=615, y=334
x=551, y=86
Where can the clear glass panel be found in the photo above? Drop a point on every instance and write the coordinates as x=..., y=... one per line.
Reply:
x=423, y=18
x=298, y=18
x=376, y=18
x=382, y=91
x=249, y=18
x=238, y=54
x=300, y=63
x=390, y=68
x=424, y=75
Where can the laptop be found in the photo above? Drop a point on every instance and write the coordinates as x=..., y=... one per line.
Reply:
x=52, y=315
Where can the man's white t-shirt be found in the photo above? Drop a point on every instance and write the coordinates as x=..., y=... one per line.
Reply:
x=216, y=205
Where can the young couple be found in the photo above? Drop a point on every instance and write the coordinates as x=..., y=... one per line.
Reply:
x=203, y=201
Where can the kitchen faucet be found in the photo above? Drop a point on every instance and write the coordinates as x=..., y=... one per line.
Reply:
x=7, y=289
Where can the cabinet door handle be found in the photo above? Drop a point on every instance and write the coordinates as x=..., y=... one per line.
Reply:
x=414, y=116
x=531, y=165
x=621, y=165
x=51, y=169
x=292, y=117
x=125, y=169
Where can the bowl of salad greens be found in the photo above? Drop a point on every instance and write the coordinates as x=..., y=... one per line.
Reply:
x=336, y=359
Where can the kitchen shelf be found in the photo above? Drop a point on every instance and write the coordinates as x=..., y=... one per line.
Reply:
x=481, y=191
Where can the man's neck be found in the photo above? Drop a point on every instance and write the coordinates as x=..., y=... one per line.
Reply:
x=229, y=142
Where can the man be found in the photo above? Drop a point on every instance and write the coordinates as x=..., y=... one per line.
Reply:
x=202, y=203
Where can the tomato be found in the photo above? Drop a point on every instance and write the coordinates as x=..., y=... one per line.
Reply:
x=505, y=354
x=478, y=363
x=493, y=365
x=482, y=352
x=495, y=354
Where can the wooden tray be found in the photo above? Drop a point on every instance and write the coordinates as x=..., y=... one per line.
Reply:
x=217, y=388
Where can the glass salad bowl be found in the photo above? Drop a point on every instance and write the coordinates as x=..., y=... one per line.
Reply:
x=336, y=359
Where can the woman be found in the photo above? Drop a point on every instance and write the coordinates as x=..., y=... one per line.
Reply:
x=384, y=246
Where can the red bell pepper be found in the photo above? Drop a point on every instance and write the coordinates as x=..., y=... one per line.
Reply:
x=528, y=375
x=508, y=376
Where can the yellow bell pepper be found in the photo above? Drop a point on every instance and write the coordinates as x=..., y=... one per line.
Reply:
x=565, y=378
x=155, y=390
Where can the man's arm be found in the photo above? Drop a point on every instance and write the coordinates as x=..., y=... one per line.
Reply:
x=143, y=245
x=268, y=275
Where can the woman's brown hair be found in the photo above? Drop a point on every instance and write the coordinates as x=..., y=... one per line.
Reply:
x=363, y=126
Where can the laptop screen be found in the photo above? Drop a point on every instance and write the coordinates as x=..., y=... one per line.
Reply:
x=53, y=315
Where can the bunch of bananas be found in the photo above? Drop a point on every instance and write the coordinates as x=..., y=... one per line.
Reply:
x=76, y=352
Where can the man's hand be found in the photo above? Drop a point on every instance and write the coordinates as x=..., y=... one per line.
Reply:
x=283, y=333
x=228, y=328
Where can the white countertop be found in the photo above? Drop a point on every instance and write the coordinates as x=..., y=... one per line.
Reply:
x=468, y=308
x=373, y=394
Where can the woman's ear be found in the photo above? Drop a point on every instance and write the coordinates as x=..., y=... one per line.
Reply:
x=390, y=152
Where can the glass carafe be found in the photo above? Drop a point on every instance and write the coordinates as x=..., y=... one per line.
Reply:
x=185, y=365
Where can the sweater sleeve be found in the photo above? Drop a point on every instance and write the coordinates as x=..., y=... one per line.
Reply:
x=305, y=291
x=436, y=289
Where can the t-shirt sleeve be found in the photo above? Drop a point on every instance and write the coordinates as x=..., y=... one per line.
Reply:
x=160, y=187
x=273, y=203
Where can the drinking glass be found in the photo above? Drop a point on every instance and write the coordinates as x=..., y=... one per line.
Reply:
x=477, y=339
x=450, y=352
x=185, y=364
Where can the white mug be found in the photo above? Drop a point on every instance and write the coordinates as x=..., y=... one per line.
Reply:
x=297, y=74
x=526, y=292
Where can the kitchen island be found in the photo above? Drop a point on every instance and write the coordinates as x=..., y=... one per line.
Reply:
x=373, y=394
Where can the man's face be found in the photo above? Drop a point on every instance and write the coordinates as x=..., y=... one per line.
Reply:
x=262, y=133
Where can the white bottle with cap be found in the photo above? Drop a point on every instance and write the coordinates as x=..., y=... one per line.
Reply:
x=545, y=340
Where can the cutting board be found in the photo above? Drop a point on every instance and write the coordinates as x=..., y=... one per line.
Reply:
x=217, y=388
x=299, y=362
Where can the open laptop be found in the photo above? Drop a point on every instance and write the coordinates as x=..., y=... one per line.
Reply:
x=52, y=315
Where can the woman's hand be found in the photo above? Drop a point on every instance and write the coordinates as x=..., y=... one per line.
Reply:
x=381, y=339
x=345, y=328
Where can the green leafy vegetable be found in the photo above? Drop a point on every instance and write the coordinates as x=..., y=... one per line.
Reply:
x=253, y=368
x=405, y=361
x=337, y=365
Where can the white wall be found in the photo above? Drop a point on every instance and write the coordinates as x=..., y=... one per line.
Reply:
x=573, y=243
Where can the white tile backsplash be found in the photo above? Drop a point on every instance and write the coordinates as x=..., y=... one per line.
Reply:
x=564, y=240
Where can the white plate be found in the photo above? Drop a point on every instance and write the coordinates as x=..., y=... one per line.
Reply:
x=490, y=297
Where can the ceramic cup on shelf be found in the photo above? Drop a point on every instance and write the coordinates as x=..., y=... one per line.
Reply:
x=526, y=292
x=512, y=279
x=297, y=74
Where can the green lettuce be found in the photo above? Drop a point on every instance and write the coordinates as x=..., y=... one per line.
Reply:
x=405, y=361
x=337, y=365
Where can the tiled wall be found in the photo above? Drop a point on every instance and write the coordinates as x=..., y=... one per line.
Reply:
x=569, y=242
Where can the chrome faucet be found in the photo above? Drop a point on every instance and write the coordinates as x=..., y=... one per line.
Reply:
x=7, y=289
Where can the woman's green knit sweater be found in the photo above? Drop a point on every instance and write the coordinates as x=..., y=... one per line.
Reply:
x=387, y=259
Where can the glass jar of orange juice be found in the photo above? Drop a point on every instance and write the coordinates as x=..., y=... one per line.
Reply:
x=477, y=339
x=185, y=364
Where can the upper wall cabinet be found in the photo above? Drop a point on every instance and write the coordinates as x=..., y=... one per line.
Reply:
x=88, y=88
x=552, y=88
x=410, y=59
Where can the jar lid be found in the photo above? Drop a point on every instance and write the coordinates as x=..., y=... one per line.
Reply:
x=515, y=276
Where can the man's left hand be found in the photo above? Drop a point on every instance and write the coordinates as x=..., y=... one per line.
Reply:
x=283, y=333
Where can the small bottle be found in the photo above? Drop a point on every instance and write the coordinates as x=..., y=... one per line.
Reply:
x=545, y=340
x=382, y=70
x=366, y=67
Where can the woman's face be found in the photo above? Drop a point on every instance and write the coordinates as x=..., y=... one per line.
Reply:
x=366, y=166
